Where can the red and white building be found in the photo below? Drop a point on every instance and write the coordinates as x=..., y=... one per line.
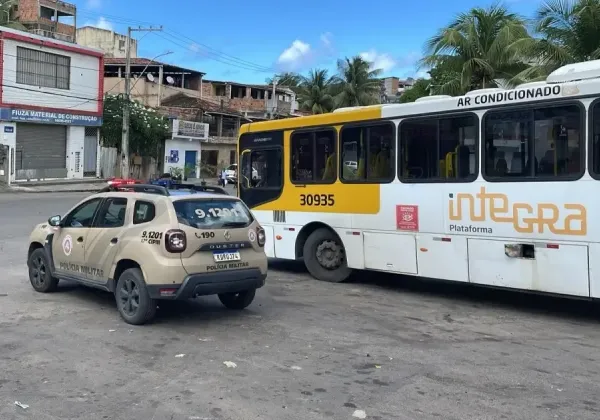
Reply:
x=51, y=103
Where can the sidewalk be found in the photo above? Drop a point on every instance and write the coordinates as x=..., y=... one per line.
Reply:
x=90, y=185
x=56, y=185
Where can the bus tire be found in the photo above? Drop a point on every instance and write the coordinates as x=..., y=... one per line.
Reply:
x=325, y=256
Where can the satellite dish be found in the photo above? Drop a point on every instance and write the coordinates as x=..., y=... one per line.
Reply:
x=150, y=77
x=170, y=80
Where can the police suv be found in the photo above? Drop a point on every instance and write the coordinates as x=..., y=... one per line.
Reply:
x=146, y=243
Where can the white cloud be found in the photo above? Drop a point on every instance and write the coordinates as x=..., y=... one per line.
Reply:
x=326, y=39
x=94, y=4
x=101, y=23
x=382, y=61
x=295, y=56
x=295, y=52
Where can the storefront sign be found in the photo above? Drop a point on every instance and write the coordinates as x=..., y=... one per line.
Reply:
x=48, y=117
x=190, y=129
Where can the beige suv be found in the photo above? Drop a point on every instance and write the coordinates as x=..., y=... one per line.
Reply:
x=146, y=243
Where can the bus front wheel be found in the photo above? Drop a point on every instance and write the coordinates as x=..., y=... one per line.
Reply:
x=325, y=256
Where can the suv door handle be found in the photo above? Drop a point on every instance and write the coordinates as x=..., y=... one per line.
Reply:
x=114, y=240
x=80, y=239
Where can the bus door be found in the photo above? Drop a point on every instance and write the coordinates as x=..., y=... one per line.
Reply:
x=261, y=176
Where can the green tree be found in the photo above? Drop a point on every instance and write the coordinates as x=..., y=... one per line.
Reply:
x=478, y=49
x=418, y=90
x=357, y=84
x=147, y=127
x=566, y=32
x=287, y=79
x=314, y=92
x=7, y=8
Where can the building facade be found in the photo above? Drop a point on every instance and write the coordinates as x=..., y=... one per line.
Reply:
x=48, y=18
x=51, y=106
x=111, y=43
x=253, y=101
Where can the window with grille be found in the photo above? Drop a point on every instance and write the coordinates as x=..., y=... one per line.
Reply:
x=39, y=68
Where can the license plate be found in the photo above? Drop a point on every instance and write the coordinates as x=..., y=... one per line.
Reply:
x=227, y=256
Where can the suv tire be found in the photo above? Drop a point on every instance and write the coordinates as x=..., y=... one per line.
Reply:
x=39, y=272
x=133, y=300
x=239, y=300
x=325, y=240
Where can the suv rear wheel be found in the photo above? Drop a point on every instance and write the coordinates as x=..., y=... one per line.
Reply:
x=239, y=300
x=39, y=272
x=133, y=301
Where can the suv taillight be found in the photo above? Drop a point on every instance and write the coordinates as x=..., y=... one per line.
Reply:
x=261, y=237
x=175, y=240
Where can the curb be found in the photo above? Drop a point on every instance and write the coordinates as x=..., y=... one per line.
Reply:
x=19, y=191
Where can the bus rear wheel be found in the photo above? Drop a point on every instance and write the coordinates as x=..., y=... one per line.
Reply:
x=325, y=256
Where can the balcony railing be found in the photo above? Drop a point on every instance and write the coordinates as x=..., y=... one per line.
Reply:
x=62, y=6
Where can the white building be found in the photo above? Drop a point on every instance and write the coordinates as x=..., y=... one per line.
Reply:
x=113, y=44
x=51, y=105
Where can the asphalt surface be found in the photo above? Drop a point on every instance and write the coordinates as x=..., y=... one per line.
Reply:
x=392, y=347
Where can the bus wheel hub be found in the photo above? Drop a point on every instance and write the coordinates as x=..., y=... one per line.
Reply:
x=329, y=255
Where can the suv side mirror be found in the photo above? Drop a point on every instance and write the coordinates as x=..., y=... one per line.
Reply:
x=54, y=221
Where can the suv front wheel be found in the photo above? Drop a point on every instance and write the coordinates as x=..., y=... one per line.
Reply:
x=133, y=300
x=239, y=300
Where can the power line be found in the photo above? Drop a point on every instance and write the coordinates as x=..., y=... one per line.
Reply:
x=219, y=59
x=211, y=52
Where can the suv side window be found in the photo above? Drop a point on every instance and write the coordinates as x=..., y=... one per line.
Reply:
x=112, y=213
x=143, y=212
x=83, y=215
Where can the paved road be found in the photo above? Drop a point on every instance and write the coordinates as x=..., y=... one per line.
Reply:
x=395, y=348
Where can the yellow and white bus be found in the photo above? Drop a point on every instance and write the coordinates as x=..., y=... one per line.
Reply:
x=491, y=188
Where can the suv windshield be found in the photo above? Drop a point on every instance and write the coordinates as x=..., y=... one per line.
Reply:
x=212, y=214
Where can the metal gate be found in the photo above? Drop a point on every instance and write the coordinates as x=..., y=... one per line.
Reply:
x=41, y=151
x=90, y=151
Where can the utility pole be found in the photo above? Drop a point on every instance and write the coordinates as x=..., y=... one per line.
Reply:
x=126, y=107
x=274, y=98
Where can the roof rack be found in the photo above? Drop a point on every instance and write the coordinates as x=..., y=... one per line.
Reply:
x=139, y=188
x=199, y=188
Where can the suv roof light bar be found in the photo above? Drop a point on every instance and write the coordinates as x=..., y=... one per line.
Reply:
x=139, y=188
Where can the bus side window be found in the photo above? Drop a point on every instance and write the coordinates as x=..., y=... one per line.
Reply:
x=439, y=149
x=544, y=142
x=595, y=141
x=313, y=157
x=367, y=153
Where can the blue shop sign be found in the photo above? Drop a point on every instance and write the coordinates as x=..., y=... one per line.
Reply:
x=49, y=117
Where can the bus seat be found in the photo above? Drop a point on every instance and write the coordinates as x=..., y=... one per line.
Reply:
x=463, y=162
x=516, y=165
x=360, y=173
x=501, y=167
x=329, y=172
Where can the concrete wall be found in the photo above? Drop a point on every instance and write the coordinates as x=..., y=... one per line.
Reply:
x=144, y=91
x=84, y=81
x=113, y=44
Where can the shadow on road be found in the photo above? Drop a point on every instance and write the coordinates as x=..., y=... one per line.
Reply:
x=475, y=295
x=206, y=308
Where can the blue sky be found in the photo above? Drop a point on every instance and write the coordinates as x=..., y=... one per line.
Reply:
x=249, y=41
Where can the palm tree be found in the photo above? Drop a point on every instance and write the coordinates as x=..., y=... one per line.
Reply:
x=6, y=13
x=569, y=32
x=357, y=83
x=287, y=79
x=479, y=48
x=314, y=92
